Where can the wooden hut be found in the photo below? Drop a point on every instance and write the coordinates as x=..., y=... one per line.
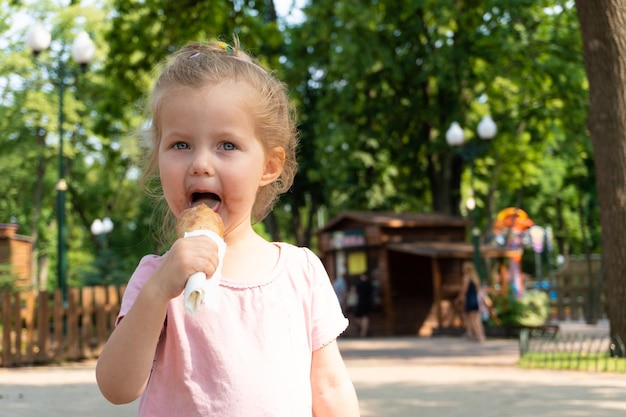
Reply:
x=16, y=254
x=414, y=260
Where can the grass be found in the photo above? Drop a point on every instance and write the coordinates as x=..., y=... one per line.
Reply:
x=599, y=362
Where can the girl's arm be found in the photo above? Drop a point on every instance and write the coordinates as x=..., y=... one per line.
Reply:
x=125, y=363
x=332, y=389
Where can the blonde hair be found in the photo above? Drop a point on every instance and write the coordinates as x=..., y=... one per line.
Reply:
x=198, y=65
x=470, y=269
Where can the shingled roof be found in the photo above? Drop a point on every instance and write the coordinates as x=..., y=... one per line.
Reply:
x=393, y=220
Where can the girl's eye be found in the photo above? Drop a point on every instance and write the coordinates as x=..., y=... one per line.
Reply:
x=228, y=146
x=181, y=145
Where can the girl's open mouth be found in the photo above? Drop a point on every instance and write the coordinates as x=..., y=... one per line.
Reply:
x=210, y=199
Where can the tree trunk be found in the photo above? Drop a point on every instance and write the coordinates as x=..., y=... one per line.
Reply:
x=603, y=28
x=271, y=226
x=444, y=172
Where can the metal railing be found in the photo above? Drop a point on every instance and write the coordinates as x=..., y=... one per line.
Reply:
x=552, y=350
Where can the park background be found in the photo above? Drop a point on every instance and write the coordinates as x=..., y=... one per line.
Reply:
x=377, y=84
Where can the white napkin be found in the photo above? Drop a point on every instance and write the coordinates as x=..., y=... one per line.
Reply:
x=199, y=289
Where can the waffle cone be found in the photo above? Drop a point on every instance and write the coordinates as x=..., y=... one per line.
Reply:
x=199, y=217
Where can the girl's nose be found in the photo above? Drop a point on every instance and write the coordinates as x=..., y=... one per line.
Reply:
x=201, y=164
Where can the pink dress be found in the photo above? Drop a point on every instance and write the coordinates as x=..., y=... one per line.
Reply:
x=253, y=356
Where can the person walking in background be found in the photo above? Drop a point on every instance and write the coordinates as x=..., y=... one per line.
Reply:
x=365, y=301
x=223, y=133
x=340, y=285
x=352, y=299
x=469, y=299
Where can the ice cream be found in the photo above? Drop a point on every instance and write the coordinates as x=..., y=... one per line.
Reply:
x=195, y=221
x=199, y=217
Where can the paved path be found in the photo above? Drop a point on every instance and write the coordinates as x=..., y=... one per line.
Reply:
x=397, y=377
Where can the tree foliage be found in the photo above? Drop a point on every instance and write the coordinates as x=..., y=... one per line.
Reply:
x=101, y=107
x=384, y=80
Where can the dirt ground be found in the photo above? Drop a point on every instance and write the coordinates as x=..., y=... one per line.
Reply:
x=394, y=377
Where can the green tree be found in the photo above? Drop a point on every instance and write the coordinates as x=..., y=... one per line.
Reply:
x=101, y=106
x=376, y=85
x=379, y=83
x=30, y=123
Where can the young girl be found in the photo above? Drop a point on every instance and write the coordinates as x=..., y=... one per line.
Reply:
x=223, y=134
x=469, y=297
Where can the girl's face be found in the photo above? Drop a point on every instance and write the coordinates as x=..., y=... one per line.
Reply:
x=209, y=152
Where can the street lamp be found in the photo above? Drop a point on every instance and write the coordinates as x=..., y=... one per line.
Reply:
x=83, y=50
x=455, y=136
x=101, y=227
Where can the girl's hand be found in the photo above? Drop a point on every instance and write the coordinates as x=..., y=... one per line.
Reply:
x=186, y=257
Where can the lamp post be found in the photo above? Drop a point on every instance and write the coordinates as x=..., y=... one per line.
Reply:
x=83, y=50
x=100, y=228
x=455, y=136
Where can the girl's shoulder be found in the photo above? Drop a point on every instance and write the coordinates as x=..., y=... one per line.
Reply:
x=146, y=267
x=293, y=264
x=290, y=247
x=293, y=255
x=148, y=264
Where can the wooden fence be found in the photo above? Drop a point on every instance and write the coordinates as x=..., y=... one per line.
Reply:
x=578, y=286
x=37, y=328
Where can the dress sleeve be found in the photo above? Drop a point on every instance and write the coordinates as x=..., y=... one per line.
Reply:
x=143, y=272
x=328, y=321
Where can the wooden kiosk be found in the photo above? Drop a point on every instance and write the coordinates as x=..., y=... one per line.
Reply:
x=414, y=259
x=16, y=253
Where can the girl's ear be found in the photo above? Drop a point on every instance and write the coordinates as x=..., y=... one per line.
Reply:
x=273, y=165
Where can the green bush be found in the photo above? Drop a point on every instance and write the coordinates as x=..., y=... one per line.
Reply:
x=530, y=310
x=535, y=308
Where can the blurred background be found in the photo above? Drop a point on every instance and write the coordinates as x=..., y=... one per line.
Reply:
x=390, y=96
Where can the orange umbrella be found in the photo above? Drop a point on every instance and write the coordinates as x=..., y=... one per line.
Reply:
x=512, y=218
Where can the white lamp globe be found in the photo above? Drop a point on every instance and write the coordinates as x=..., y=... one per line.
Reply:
x=38, y=38
x=97, y=227
x=455, y=135
x=470, y=203
x=83, y=48
x=487, y=128
x=107, y=225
